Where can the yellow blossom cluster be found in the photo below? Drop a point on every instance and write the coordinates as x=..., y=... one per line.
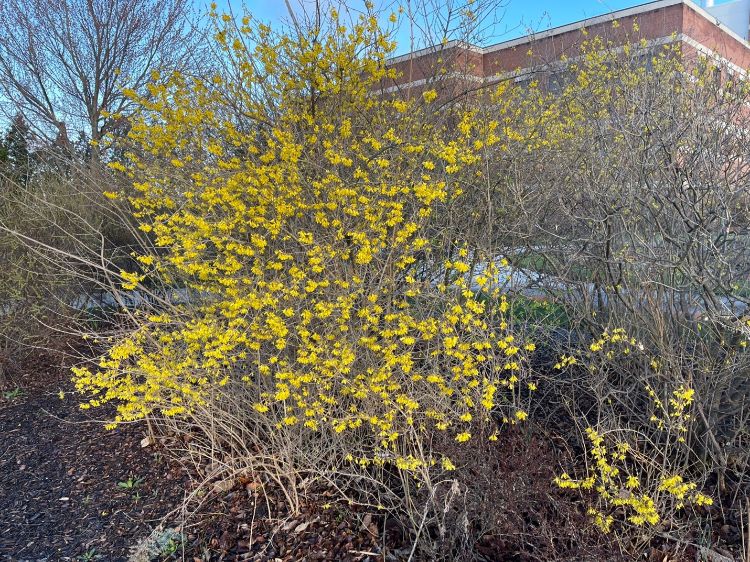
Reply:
x=615, y=480
x=620, y=478
x=609, y=343
x=675, y=416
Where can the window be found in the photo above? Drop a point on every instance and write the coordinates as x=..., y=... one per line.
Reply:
x=645, y=59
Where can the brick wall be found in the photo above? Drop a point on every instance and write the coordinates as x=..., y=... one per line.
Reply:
x=456, y=61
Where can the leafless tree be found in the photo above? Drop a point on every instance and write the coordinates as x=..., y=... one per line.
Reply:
x=64, y=63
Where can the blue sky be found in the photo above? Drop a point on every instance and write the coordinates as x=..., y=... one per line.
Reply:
x=532, y=13
x=517, y=17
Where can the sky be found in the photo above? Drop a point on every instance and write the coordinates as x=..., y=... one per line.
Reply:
x=517, y=17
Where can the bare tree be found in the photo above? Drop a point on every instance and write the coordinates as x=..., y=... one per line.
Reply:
x=64, y=63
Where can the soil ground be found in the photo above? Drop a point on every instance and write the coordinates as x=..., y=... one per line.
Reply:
x=69, y=489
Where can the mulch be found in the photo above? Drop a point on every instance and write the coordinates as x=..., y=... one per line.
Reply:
x=60, y=474
x=255, y=525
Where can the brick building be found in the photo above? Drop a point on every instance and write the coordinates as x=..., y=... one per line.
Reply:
x=717, y=31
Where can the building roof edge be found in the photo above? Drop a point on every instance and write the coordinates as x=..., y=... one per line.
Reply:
x=610, y=16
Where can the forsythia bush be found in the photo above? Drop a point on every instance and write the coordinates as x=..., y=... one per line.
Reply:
x=637, y=482
x=301, y=211
x=619, y=487
x=291, y=200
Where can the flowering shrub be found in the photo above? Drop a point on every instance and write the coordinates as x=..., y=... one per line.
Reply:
x=331, y=296
x=292, y=202
x=622, y=478
x=618, y=484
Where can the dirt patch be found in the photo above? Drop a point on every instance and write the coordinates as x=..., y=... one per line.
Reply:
x=69, y=489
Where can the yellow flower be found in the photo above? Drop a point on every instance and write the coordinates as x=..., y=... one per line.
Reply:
x=429, y=96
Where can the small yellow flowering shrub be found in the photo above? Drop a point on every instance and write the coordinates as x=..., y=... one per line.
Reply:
x=291, y=202
x=631, y=486
x=615, y=481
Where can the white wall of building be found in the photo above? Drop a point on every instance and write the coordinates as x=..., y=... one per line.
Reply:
x=734, y=14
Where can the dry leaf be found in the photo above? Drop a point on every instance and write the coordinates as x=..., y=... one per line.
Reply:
x=223, y=485
x=290, y=524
